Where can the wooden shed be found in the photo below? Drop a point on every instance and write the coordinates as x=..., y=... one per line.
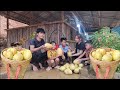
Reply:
x=54, y=31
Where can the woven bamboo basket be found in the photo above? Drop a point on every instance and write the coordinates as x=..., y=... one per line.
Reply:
x=104, y=69
x=13, y=66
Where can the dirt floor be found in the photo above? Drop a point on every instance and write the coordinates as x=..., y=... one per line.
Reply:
x=56, y=74
x=52, y=74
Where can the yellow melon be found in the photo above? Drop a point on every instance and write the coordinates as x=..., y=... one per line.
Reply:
x=59, y=51
x=48, y=45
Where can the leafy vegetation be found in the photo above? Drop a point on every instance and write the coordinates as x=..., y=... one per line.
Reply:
x=32, y=35
x=105, y=38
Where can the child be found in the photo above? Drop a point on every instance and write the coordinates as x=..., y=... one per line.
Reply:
x=54, y=62
x=64, y=47
x=85, y=54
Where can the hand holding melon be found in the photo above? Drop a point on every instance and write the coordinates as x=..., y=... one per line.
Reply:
x=59, y=51
x=48, y=46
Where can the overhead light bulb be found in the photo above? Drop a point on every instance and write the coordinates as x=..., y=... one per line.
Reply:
x=78, y=25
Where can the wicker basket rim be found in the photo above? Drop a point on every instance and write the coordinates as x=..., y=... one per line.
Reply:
x=102, y=61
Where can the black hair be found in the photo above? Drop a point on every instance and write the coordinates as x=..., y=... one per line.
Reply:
x=88, y=42
x=52, y=42
x=79, y=36
x=63, y=39
x=41, y=30
x=14, y=44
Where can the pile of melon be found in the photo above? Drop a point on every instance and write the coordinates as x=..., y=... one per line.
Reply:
x=71, y=68
x=106, y=55
x=16, y=54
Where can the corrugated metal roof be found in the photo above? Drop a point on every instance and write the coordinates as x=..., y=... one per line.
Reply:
x=90, y=19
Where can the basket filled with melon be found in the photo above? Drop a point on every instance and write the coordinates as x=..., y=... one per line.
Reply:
x=104, y=62
x=16, y=61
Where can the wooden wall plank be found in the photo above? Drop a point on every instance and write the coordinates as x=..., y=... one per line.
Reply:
x=17, y=34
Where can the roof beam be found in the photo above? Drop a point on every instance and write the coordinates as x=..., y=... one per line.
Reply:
x=110, y=17
x=38, y=17
x=20, y=14
x=4, y=13
x=51, y=14
x=86, y=23
x=41, y=18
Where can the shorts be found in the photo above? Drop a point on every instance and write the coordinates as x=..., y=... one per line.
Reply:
x=38, y=57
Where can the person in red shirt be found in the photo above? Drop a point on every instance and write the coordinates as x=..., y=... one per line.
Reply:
x=54, y=62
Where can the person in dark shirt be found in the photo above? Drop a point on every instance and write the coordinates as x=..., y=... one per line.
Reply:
x=86, y=53
x=39, y=54
x=79, y=49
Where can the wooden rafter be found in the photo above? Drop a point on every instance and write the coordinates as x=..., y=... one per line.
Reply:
x=21, y=15
x=105, y=17
x=4, y=13
x=70, y=26
x=40, y=19
x=51, y=14
x=116, y=14
x=48, y=23
x=83, y=21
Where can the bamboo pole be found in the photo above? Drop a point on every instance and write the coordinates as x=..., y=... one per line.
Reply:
x=63, y=27
x=7, y=19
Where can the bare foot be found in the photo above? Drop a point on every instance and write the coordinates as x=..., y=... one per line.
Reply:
x=57, y=67
x=34, y=68
x=48, y=68
x=41, y=66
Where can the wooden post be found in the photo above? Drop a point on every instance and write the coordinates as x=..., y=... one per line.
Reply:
x=58, y=37
x=63, y=27
x=0, y=25
x=7, y=19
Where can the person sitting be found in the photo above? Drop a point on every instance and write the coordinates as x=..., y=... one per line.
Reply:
x=79, y=49
x=53, y=62
x=85, y=55
x=64, y=47
x=36, y=46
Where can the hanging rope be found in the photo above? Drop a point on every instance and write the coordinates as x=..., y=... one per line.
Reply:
x=17, y=71
x=106, y=74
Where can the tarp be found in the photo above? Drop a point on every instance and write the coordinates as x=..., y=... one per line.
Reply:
x=116, y=29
